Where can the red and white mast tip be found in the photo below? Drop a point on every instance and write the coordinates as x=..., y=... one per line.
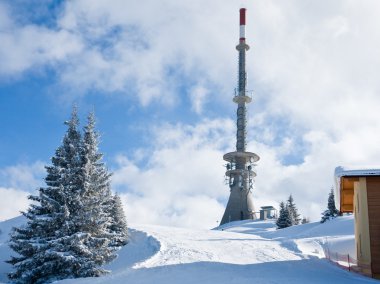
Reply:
x=242, y=24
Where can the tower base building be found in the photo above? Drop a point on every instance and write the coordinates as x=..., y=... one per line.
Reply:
x=240, y=204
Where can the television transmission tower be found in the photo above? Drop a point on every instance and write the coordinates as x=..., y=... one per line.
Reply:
x=240, y=164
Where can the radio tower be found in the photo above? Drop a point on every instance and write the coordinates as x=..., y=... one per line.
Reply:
x=240, y=163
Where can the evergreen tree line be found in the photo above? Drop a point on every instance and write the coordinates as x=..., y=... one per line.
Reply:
x=288, y=214
x=75, y=224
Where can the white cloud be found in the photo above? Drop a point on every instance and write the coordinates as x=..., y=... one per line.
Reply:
x=129, y=47
x=184, y=168
x=12, y=201
x=198, y=96
x=26, y=177
x=312, y=56
x=31, y=46
x=151, y=51
x=16, y=183
x=319, y=61
x=182, y=180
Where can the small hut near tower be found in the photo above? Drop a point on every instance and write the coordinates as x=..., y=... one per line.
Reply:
x=268, y=212
x=358, y=191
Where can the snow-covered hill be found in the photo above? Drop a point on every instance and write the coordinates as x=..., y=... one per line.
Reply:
x=239, y=252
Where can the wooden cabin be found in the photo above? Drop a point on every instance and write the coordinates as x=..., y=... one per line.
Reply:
x=358, y=191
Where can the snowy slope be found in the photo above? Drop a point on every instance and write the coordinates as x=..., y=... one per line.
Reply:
x=337, y=234
x=5, y=251
x=243, y=252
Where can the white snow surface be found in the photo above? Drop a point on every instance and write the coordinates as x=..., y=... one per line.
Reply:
x=238, y=252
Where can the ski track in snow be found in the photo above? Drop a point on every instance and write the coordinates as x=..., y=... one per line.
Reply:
x=245, y=252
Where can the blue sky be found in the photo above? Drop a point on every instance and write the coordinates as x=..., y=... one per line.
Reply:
x=161, y=77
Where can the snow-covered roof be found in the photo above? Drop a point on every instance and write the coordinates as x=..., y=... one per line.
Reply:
x=350, y=172
x=268, y=207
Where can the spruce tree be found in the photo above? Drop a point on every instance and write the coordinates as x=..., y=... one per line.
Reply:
x=113, y=218
x=68, y=233
x=39, y=258
x=331, y=211
x=293, y=211
x=89, y=237
x=118, y=228
x=284, y=219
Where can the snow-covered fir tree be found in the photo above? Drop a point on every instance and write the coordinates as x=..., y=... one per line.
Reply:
x=118, y=227
x=98, y=184
x=67, y=233
x=92, y=218
x=284, y=219
x=331, y=211
x=293, y=211
x=39, y=257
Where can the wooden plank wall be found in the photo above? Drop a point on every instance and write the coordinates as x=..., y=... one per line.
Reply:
x=347, y=194
x=373, y=195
